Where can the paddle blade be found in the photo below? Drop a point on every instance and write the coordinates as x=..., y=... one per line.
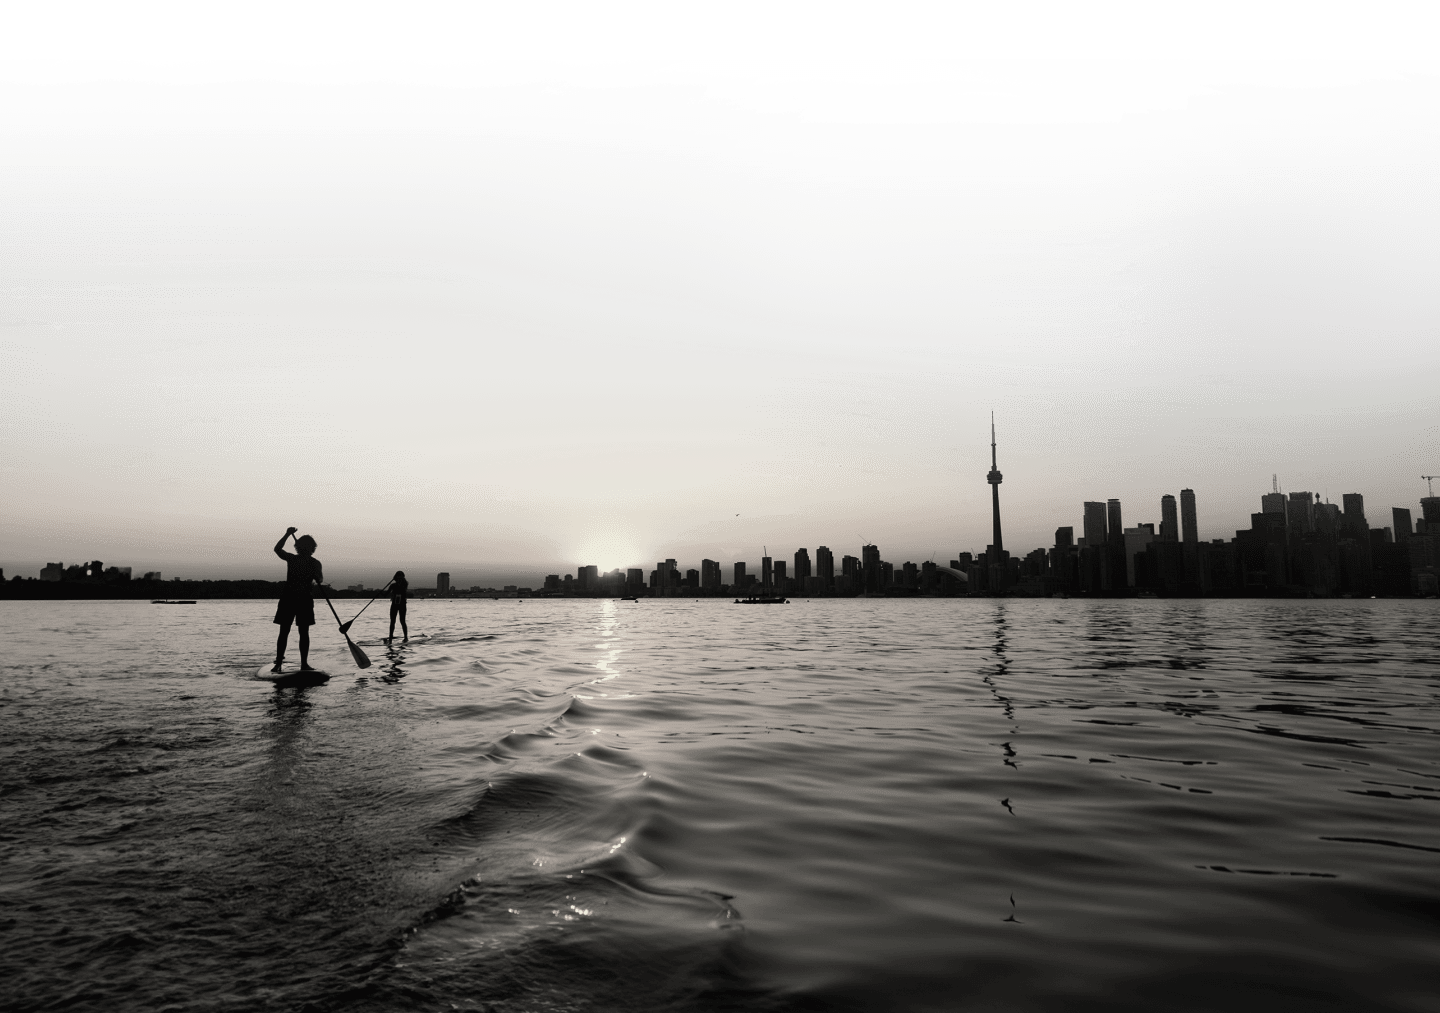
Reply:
x=360, y=659
x=345, y=627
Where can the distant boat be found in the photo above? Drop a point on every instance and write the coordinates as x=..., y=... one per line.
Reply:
x=629, y=599
x=762, y=601
x=165, y=601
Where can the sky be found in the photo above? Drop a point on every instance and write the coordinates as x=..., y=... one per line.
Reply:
x=505, y=289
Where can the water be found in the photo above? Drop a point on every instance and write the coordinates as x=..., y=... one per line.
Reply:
x=690, y=805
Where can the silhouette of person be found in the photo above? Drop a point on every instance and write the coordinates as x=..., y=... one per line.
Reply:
x=297, y=604
x=399, y=591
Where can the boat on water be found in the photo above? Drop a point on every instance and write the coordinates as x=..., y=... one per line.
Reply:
x=177, y=601
x=629, y=599
x=762, y=601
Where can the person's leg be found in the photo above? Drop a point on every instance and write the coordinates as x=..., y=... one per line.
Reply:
x=280, y=644
x=393, y=609
x=404, y=628
x=304, y=646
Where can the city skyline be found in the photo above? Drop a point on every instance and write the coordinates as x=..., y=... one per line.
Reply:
x=1099, y=521
x=614, y=287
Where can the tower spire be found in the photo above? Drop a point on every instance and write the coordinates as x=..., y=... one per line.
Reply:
x=995, y=478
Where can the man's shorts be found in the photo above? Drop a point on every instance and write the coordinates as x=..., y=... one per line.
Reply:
x=301, y=611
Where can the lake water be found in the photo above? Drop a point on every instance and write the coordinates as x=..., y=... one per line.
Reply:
x=594, y=805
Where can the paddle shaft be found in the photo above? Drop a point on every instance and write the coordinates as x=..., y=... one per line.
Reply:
x=372, y=601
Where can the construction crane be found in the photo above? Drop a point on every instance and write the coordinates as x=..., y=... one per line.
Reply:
x=1430, y=488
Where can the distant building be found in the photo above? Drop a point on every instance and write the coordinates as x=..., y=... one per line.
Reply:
x=1400, y=517
x=825, y=567
x=1354, y=512
x=634, y=579
x=779, y=573
x=1189, y=526
x=692, y=578
x=1190, y=536
x=1136, y=539
x=739, y=581
x=151, y=575
x=1169, y=524
x=1300, y=513
x=552, y=582
x=710, y=574
x=1095, y=524
x=849, y=574
x=767, y=574
x=1064, y=539
x=870, y=567
x=802, y=566
x=54, y=571
x=442, y=583
x=1272, y=503
x=1430, y=509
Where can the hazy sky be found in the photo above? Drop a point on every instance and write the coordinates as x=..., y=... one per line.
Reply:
x=505, y=289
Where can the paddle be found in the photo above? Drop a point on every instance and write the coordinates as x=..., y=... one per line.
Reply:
x=360, y=659
x=345, y=627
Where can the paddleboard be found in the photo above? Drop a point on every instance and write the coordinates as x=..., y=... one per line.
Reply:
x=291, y=675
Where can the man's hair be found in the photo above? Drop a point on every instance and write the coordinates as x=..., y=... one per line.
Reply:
x=305, y=544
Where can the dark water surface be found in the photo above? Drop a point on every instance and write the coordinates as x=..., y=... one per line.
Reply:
x=690, y=805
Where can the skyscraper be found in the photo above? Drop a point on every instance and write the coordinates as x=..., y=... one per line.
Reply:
x=1190, y=536
x=1169, y=524
x=739, y=577
x=442, y=583
x=709, y=573
x=767, y=572
x=870, y=567
x=1400, y=517
x=1272, y=503
x=825, y=566
x=1300, y=513
x=1136, y=539
x=1114, y=527
x=1095, y=524
x=802, y=566
x=995, y=478
x=1354, y=511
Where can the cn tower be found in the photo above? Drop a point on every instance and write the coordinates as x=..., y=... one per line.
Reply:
x=995, y=478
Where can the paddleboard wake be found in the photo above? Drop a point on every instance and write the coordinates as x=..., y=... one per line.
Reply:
x=291, y=675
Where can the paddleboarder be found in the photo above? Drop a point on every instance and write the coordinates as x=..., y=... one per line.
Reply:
x=399, y=591
x=297, y=604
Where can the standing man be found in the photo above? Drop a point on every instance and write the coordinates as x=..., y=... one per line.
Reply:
x=297, y=604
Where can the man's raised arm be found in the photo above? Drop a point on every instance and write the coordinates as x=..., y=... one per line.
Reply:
x=280, y=545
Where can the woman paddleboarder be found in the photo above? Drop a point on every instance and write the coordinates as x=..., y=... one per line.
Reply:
x=297, y=604
x=399, y=591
